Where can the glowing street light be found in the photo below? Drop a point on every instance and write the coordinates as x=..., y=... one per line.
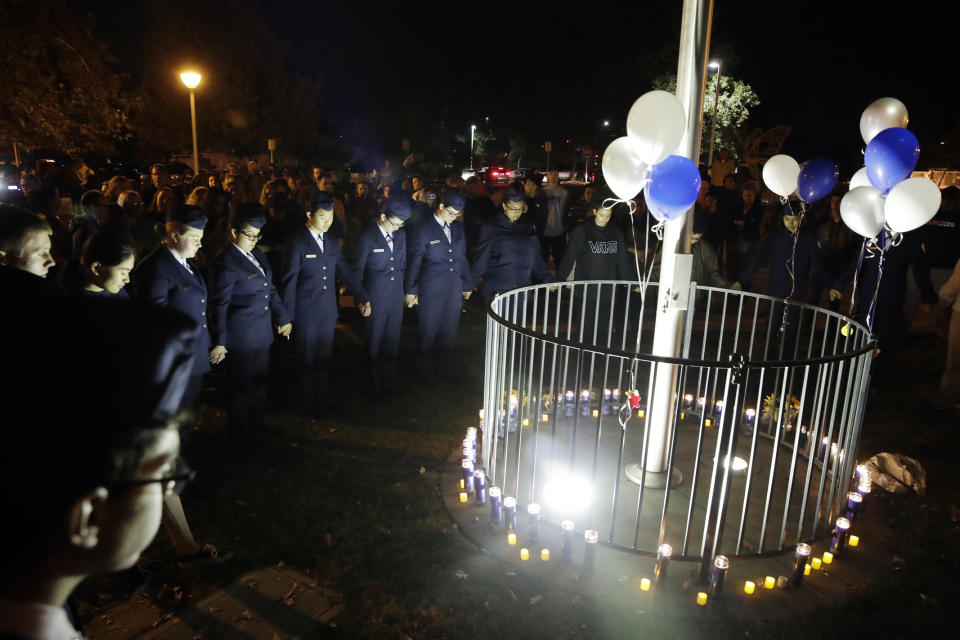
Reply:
x=190, y=80
x=473, y=130
x=716, y=103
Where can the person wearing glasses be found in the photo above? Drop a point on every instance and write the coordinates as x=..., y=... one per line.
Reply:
x=508, y=253
x=311, y=264
x=438, y=280
x=245, y=312
x=82, y=484
x=381, y=264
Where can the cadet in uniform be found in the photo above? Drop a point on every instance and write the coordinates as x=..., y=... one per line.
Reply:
x=311, y=264
x=245, y=309
x=381, y=264
x=508, y=254
x=438, y=279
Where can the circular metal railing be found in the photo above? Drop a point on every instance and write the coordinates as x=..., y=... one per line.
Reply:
x=582, y=419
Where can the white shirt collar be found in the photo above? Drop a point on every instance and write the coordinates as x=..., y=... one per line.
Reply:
x=180, y=259
x=33, y=620
x=440, y=221
x=248, y=254
x=383, y=231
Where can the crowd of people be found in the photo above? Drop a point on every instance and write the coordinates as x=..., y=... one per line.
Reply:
x=231, y=262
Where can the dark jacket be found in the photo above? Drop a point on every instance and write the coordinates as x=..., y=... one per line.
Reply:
x=507, y=257
x=776, y=252
x=600, y=253
x=381, y=271
x=436, y=265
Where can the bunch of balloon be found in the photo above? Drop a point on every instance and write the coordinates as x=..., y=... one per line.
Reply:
x=642, y=159
x=882, y=193
x=811, y=181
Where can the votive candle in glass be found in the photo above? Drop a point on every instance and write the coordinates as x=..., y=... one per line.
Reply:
x=512, y=539
x=749, y=587
x=664, y=552
x=510, y=513
x=524, y=554
x=827, y=557
x=496, y=510
x=545, y=554
x=566, y=538
x=533, y=521
x=644, y=584
x=800, y=556
x=815, y=563
x=769, y=582
x=702, y=599
x=480, y=487
x=467, y=466
x=839, y=540
x=590, y=539
x=720, y=566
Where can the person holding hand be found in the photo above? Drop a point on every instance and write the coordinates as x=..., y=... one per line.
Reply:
x=245, y=312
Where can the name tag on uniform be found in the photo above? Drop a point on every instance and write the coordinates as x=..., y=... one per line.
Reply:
x=378, y=250
x=434, y=242
x=311, y=255
x=251, y=276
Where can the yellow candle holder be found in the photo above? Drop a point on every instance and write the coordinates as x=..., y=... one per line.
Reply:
x=827, y=557
x=683, y=415
x=463, y=496
x=596, y=414
x=702, y=599
x=769, y=582
x=545, y=554
x=853, y=541
x=806, y=569
x=815, y=563
x=641, y=413
x=544, y=418
x=512, y=539
x=463, y=483
x=708, y=422
x=749, y=587
x=524, y=554
x=644, y=584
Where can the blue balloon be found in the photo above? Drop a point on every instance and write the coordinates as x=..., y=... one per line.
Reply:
x=818, y=177
x=674, y=186
x=890, y=157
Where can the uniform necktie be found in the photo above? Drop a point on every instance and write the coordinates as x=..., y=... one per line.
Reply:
x=390, y=241
x=446, y=231
x=320, y=241
x=255, y=263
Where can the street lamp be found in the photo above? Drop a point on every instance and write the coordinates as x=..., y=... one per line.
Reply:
x=716, y=104
x=473, y=129
x=191, y=79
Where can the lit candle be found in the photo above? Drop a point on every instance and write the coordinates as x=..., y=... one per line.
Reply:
x=524, y=554
x=806, y=569
x=481, y=417
x=566, y=538
x=702, y=599
x=683, y=415
x=512, y=539
x=533, y=521
x=862, y=473
x=544, y=554
x=585, y=411
x=616, y=394
x=496, y=510
x=585, y=396
x=750, y=416
x=708, y=422
x=801, y=556
x=544, y=418
x=467, y=466
x=596, y=414
x=854, y=541
x=526, y=422
x=644, y=584
x=472, y=434
x=803, y=436
x=641, y=413
x=720, y=566
x=463, y=484
x=590, y=539
x=463, y=496
x=769, y=582
x=569, y=397
x=510, y=507
x=718, y=408
x=480, y=487
x=863, y=489
x=701, y=402
x=827, y=557
x=688, y=401
x=664, y=551
x=824, y=445
x=839, y=540
x=815, y=564
x=749, y=587
x=606, y=394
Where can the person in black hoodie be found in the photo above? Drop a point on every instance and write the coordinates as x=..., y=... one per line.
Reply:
x=597, y=251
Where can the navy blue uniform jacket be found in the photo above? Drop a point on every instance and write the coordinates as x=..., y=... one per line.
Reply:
x=776, y=252
x=507, y=256
x=437, y=265
x=381, y=270
x=160, y=279
x=244, y=304
x=308, y=283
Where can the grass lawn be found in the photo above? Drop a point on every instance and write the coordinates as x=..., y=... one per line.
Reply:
x=355, y=501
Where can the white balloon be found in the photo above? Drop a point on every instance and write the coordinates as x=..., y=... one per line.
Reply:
x=860, y=179
x=911, y=204
x=623, y=169
x=862, y=210
x=780, y=174
x=655, y=124
x=882, y=113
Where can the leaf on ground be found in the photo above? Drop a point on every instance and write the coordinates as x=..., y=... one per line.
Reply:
x=423, y=470
x=513, y=595
x=535, y=599
x=460, y=574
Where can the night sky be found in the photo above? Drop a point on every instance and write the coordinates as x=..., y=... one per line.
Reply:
x=392, y=71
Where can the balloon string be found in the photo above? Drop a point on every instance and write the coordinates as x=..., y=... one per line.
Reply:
x=856, y=274
x=791, y=266
x=876, y=289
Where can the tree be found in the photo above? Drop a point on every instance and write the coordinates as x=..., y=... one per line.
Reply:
x=733, y=110
x=60, y=92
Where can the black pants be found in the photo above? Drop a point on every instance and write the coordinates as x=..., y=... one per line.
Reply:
x=553, y=245
x=247, y=387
